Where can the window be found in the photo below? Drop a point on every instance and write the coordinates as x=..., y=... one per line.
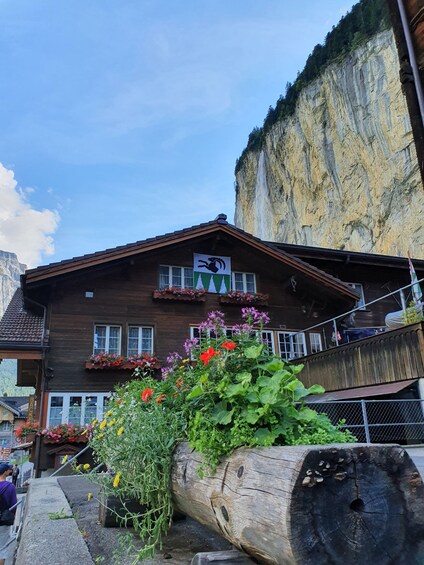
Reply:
x=292, y=345
x=359, y=289
x=140, y=340
x=244, y=282
x=179, y=277
x=107, y=339
x=268, y=340
x=315, y=342
x=195, y=333
x=78, y=408
x=5, y=427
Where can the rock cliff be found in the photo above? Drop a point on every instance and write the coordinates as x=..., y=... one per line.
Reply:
x=10, y=270
x=342, y=171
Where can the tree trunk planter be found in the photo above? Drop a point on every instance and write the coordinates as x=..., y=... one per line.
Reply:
x=157, y=295
x=309, y=505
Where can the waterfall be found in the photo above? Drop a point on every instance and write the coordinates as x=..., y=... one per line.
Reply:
x=262, y=206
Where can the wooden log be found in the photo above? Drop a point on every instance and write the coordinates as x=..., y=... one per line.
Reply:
x=344, y=504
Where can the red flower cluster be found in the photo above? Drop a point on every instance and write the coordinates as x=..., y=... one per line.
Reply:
x=207, y=355
x=66, y=432
x=247, y=297
x=228, y=345
x=147, y=394
x=114, y=360
x=175, y=291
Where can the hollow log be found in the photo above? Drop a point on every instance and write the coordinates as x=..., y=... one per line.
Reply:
x=318, y=505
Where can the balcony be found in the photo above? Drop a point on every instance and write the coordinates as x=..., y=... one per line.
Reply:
x=395, y=355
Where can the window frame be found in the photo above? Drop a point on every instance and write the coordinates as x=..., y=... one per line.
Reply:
x=359, y=288
x=139, y=348
x=66, y=396
x=183, y=276
x=107, y=338
x=244, y=274
x=292, y=355
x=315, y=334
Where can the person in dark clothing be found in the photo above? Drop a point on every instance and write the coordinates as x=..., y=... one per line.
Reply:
x=15, y=474
x=7, y=490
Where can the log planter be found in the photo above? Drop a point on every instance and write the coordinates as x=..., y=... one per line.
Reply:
x=309, y=505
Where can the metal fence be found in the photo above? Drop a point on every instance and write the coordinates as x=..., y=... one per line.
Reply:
x=378, y=421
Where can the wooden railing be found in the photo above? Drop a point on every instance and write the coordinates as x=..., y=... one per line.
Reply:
x=395, y=355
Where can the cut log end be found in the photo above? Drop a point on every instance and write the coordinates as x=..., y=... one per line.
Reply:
x=359, y=504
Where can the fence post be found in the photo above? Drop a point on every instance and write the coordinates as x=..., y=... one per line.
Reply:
x=335, y=331
x=365, y=418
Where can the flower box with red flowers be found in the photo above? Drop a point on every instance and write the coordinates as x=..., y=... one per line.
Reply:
x=65, y=433
x=245, y=298
x=27, y=431
x=113, y=361
x=180, y=294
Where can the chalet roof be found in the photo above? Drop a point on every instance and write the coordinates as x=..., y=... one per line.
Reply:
x=19, y=325
x=8, y=407
x=220, y=224
x=346, y=256
x=19, y=403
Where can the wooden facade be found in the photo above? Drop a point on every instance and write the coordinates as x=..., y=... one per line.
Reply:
x=117, y=287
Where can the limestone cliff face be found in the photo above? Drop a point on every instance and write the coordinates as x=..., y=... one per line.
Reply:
x=342, y=171
x=10, y=270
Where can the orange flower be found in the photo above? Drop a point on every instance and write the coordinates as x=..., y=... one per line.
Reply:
x=160, y=398
x=175, y=394
x=147, y=394
x=229, y=345
x=207, y=355
x=178, y=383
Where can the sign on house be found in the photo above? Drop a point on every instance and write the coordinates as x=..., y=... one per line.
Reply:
x=212, y=272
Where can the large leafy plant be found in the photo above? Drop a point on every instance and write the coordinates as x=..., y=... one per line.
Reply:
x=227, y=393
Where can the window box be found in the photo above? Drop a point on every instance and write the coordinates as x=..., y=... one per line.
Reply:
x=105, y=361
x=77, y=439
x=180, y=294
x=244, y=298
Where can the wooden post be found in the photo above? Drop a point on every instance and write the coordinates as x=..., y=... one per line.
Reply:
x=309, y=505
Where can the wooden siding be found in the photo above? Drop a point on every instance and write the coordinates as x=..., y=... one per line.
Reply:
x=123, y=296
x=392, y=356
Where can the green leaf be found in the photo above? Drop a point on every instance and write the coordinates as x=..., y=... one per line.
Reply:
x=273, y=365
x=316, y=389
x=220, y=414
x=250, y=415
x=252, y=396
x=204, y=378
x=253, y=351
x=268, y=396
x=264, y=436
x=233, y=390
x=195, y=392
x=307, y=415
x=295, y=369
x=244, y=377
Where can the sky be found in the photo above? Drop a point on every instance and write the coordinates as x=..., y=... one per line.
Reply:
x=123, y=119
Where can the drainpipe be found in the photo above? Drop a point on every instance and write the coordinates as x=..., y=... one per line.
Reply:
x=412, y=58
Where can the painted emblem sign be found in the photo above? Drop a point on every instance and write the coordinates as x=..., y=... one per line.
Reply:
x=212, y=272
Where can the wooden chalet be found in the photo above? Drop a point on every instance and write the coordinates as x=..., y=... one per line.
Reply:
x=119, y=301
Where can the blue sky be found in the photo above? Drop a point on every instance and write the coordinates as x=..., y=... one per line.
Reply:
x=122, y=120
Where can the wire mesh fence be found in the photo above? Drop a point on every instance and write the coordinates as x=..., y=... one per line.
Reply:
x=378, y=421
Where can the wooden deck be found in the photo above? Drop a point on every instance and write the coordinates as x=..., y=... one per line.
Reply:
x=391, y=356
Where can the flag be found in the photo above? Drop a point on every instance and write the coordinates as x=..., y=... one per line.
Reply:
x=416, y=289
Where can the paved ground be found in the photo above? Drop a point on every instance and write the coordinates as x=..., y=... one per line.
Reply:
x=109, y=545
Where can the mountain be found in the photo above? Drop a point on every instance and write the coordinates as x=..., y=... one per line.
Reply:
x=10, y=271
x=335, y=163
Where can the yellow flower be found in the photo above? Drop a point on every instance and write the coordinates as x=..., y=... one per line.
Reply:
x=78, y=467
x=94, y=422
x=89, y=496
x=86, y=466
x=64, y=460
x=121, y=431
x=103, y=424
x=111, y=423
x=108, y=413
x=117, y=479
x=100, y=436
x=185, y=360
x=84, y=432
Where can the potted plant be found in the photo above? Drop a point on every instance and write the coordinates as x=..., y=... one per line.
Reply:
x=246, y=298
x=180, y=294
x=27, y=431
x=65, y=433
x=114, y=361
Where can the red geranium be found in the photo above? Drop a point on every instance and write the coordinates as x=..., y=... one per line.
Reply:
x=207, y=355
x=147, y=394
x=229, y=345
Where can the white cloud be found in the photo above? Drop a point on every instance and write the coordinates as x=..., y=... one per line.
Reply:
x=23, y=230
